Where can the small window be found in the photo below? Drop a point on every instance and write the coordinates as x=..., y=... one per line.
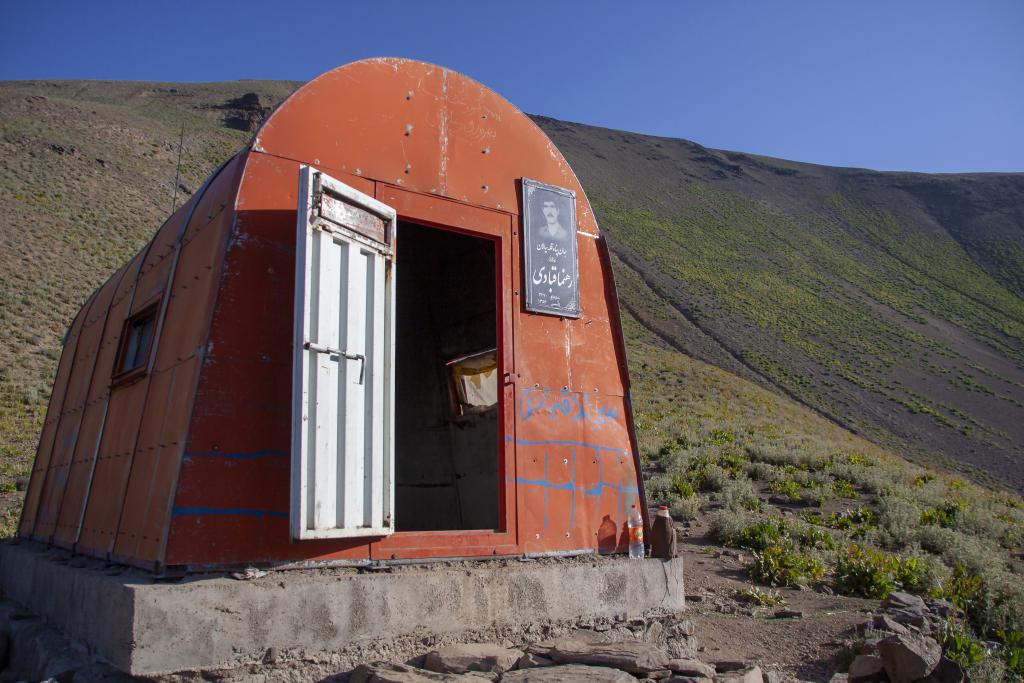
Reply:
x=136, y=342
x=474, y=379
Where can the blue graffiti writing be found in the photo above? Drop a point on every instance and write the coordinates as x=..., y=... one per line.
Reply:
x=581, y=407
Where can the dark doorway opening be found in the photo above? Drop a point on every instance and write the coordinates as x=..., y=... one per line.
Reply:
x=446, y=426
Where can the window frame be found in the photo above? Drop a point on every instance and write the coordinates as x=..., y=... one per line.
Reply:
x=150, y=311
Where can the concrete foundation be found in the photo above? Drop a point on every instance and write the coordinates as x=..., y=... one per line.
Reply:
x=144, y=626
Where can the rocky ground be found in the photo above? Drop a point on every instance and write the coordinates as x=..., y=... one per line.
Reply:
x=808, y=635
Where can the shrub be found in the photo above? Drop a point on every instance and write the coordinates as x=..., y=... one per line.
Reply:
x=782, y=564
x=761, y=534
x=959, y=645
x=944, y=516
x=844, y=489
x=684, y=509
x=764, y=598
x=683, y=488
x=865, y=572
x=858, y=520
x=1013, y=651
x=811, y=537
x=739, y=494
x=787, y=487
x=874, y=574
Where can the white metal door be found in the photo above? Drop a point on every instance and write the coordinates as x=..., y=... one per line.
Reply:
x=342, y=381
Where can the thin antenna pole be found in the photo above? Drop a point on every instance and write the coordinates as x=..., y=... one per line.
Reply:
x=177, y=170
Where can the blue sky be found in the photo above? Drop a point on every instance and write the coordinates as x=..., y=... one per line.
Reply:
x=925, y=85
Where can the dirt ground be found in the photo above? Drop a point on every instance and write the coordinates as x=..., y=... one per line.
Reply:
x=807, y=648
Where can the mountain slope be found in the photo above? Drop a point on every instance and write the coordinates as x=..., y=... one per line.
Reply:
x=888, y=302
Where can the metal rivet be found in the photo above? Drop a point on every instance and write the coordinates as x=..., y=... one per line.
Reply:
x=485, y=188
x=408, y=129
x=408, y=167
x=408, y=95
x=359, y=171
x=567, y=534
x=537, y=536
x=486, y=150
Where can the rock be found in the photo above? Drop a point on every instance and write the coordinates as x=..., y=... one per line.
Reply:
x=659, y=675
x=679, y=641
x=751, y=674
x=382, y=672
x=530, y=661
x=688, y=679
x=569, y=673
x=728, y=665
x=869, y=647
x=882, y=622
x=691, y=667
x=683, y=627
x=787, y=614
x=866, y=669
x=942, y=608
x=772, y=677
x=271, y=656
x=655, y=633
x=632, y=656
x=908, y=616
x=909, y=657
x=837, y=678
x=460, y=659
x=947, y=671
x=908, y=601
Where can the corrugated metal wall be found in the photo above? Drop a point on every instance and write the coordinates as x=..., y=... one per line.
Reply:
x=109, y=455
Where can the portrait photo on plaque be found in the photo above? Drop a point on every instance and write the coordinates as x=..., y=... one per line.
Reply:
x=549, y=250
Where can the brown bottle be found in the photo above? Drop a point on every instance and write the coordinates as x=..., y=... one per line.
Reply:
x=663, y=535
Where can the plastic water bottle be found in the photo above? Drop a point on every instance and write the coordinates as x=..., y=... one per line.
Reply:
x=636, y=534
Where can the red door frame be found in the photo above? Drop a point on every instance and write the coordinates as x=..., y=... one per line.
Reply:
x=447, y=214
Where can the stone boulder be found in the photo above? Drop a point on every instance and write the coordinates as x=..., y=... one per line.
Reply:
x=751, y=674
x=901, y=600
x=460, y=659
x=909, y=657
x=633, y=656
x=530, y=661
x=381, y=672
x=568, y=673
x=947, y=671
x=866, y=669
x=691, y=667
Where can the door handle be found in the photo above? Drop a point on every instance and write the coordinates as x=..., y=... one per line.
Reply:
x=331, y=351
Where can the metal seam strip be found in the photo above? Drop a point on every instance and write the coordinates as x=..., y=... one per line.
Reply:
x=60, y=416
x=173, y=491
x=92, y=377
x=156, y=338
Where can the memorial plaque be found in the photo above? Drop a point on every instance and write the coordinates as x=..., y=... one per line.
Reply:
x=549, y=249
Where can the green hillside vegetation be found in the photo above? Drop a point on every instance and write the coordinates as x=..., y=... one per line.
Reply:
x=887, y=302
x=853, y=516
x=86, y=177
x=769, y=308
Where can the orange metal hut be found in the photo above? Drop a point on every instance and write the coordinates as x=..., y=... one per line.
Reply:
x=339, y=350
